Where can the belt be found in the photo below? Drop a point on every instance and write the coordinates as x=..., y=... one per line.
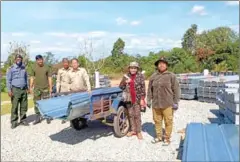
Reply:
x=22, y=88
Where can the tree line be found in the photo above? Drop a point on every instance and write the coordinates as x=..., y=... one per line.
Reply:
x=216, y=49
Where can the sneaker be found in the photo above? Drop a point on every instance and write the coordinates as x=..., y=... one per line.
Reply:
x=14, y=125
x=25, y=123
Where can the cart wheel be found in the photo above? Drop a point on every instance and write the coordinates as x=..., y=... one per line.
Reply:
x=121, y=123
x=78, y=123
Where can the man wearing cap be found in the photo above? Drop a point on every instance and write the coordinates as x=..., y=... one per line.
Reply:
x=17, y=85
x=78, y=78
x=163, y=95
x=41, y=81
x=62, y=82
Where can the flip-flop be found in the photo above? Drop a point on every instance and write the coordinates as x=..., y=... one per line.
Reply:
x=156, y=140
x=130, y=134
x=166, y=142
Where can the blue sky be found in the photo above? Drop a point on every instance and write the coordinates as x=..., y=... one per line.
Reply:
x=63, y=27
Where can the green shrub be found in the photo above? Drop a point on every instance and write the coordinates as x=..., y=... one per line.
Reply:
x=3, y=85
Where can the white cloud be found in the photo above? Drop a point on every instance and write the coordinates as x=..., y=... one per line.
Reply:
x=135, y=23
x=200, y=10
x=19, y=34
x=65, y=44
x=121, y=21
x=50, y=48
x=35, y=41
x=232, y=3
x=59, y=43
x=235, y=27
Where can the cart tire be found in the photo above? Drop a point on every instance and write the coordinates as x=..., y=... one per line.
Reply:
x=78, y=123
x=121, y=123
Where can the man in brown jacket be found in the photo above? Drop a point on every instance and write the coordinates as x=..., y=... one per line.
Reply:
x=163, y=95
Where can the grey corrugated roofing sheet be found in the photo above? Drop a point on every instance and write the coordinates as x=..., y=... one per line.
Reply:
x=211, y=142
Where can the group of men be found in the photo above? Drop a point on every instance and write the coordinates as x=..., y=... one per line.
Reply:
x=72, y=78
x=163, y=90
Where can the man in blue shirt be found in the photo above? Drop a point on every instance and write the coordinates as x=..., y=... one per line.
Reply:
x=17, y=85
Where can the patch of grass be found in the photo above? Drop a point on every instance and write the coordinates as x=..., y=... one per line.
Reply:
x=6, y=108
x=4, y=96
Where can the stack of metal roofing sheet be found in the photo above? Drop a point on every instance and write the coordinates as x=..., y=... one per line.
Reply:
x=228, y=102
x=208, y=88
x=223, y=73
x=73, y=105
x=104, y=81
x=211, y=142
x=188, y=85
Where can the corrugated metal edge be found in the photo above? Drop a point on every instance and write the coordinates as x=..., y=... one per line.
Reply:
x=233, y=156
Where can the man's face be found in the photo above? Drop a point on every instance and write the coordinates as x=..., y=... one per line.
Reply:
x=65, y=64
x=40, y=62
x=162, y=66
x=75, y=64
x=18, y=60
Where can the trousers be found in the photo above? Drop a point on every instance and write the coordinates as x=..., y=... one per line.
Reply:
x=134, y=113
x=20, y=96
x=160, y=114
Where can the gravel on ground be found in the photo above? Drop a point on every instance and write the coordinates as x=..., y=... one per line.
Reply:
x=56, y=141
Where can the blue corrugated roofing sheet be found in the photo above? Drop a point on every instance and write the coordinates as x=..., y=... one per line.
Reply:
x=58, y=107
x=211, y=142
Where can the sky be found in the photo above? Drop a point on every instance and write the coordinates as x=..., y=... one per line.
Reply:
x=69, y=28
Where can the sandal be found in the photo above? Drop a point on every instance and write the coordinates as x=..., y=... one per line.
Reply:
x=130, y=134
x=156, y=140
x=166, y=142
x=139, y=136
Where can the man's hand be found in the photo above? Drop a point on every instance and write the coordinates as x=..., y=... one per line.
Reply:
x=175, y=106
x=10, y=94
x=31, y=90
x=89, y=92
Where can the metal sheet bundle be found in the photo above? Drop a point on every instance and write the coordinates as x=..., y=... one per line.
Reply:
x=211, y=142
x=73, y=105
x=188, y=85
x=228, y=102
x=208, y=88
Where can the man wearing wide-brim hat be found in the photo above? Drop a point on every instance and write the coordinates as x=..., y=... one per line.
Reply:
x=163, y=96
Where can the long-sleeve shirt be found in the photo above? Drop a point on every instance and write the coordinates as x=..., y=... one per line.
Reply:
x=17, y=77
x=62, y=80
x=163, y=90
x=78, y=80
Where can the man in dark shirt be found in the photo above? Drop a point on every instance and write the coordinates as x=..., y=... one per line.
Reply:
x=41, y=80
x=17, y=85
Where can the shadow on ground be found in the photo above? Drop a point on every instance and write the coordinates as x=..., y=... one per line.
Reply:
x=94, y=131
x=150, y=129
x=180, y=150
x=31, y=118
x=219, y=117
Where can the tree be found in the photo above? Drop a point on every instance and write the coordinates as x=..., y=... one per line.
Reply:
x=86, y=57
x=214, y=38
x=189, y=39
x=118, y=48
x=17, y=48
x=49, y=58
